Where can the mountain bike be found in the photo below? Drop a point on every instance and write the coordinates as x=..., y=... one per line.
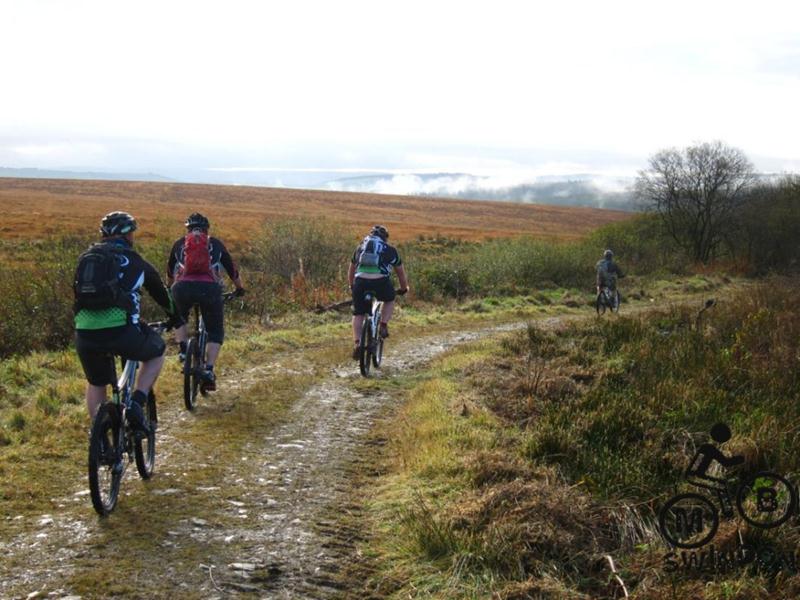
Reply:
x=764, y=500
x=370, y=348
x=112, y=437
x=607, y=299
x=195, y=362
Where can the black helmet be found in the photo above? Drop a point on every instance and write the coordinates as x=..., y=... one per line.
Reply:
x=117, y=223
x=197, y=221
x=608, y=254
x=380, y=231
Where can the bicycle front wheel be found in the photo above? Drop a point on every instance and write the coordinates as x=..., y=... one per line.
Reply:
x=766, y=500
x=105, y=459
x=144, y=449
x=364, y=352
x=600, y=305
x=191, y=380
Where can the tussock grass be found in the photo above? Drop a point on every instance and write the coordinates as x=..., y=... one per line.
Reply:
x=515, y=484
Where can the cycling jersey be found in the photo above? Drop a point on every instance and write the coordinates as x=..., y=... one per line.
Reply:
x=135, y=274
x=220, y=258
x=388, y=258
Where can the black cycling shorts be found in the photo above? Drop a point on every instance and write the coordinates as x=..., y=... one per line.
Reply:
x=208, y=296
x=382, y=288
x=97, y=347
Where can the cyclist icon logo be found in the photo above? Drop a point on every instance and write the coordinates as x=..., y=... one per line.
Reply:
x=690, y=520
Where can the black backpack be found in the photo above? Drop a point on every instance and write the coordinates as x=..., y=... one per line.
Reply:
x=97, y=279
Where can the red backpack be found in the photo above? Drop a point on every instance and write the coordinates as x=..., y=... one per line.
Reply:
x=196, y=254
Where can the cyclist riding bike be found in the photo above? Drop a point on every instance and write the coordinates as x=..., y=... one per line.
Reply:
x=194, y=273
x=370, y=269
x=708, y=454
x=107, y=286
x=607, y=272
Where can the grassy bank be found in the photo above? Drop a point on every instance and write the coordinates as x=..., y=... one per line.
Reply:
x=516, y=466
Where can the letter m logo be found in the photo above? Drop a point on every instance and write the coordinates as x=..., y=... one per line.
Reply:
x=688, y=522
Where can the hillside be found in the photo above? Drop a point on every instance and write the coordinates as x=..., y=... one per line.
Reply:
x=33, y=207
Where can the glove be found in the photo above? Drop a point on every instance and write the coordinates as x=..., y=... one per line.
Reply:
x=402, y=291
x=239, y=292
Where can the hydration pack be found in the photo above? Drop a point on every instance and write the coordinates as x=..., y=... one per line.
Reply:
x=603, y=273
x=97, y=279
x=196, y=254
x=370, y=252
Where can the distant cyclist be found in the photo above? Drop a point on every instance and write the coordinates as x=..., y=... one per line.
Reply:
x=607, y=272
x=370, y=269
x=107, y=285
x=195, y=264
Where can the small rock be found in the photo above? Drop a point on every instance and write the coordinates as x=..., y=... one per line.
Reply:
x=166, y=492
x=173, y=533
x=242, y=566
x=228, y=539
x=236, y=502
x=32, y=595
x=81, y=493
x=199, y=522
x=46, y=520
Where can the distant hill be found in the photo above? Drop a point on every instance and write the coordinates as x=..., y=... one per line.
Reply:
x=101, y=175
x=570, y=190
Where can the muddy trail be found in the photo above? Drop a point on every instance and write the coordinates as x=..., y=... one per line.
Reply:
x=270, y=522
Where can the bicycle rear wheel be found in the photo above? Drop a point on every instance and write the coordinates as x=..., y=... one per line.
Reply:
x=364, y=358
x=191, y=380
x=144, y=449
x=105, y=459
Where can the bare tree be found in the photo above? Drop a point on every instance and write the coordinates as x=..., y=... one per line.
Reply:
x=697, y=192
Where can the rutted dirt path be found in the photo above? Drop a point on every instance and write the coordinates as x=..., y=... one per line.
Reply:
x=274, y=539
x=301, y=473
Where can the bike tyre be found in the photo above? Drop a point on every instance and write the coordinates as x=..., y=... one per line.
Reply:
x=664, y=513
x=600, y=305
x=104, y=491
x=377, y=356
x=615, y=302
x=191, y=381
x=364, y=358
x=144, y=449
x=792, y=508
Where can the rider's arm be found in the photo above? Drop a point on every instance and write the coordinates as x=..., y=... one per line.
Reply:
x=401, y=277
x=172, y=262
x=733, y=461
x=155, y=287
x=351, y=274
x=229, y=266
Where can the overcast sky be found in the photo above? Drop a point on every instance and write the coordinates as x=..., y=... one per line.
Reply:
x=452, y=86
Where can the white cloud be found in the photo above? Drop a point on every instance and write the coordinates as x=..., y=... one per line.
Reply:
x=624, y=77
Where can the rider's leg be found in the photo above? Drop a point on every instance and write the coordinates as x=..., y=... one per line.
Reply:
x=182, y=334
x=358, y=323
x=386, y=313
x=212, y=351
x=148, y=373
x=95, y=396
